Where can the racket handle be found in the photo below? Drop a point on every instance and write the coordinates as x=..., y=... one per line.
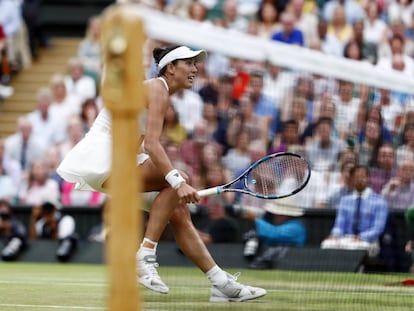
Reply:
x=209, y=192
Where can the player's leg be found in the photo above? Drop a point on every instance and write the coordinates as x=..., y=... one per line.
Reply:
x=224, y=286
x=160, y=214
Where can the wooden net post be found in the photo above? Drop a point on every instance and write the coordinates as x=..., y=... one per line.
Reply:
x=123, y=39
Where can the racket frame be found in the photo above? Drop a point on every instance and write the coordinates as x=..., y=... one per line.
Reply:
x=243, y=177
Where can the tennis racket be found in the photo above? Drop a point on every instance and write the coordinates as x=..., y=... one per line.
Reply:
x=275, y=176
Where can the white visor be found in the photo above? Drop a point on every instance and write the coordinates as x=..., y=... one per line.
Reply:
x=182, y=52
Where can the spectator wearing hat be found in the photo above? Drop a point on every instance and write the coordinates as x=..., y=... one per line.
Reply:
x=277, y=229
x=48, y=222
x=12, y=233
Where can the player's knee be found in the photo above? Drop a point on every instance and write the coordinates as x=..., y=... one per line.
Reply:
x=181, y=214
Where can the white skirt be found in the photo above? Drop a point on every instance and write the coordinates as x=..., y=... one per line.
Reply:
x=89, y=163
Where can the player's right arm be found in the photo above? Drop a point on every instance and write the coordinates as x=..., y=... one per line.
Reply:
x=158, y=101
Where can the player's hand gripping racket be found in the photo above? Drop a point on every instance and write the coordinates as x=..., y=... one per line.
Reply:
x=275, y=176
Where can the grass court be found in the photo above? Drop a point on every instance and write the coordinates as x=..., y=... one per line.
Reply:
x=68, y=287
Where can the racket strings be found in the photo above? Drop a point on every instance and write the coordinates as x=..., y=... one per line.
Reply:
x=278, y=176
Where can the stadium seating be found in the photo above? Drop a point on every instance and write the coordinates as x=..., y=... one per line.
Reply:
x=310, y=258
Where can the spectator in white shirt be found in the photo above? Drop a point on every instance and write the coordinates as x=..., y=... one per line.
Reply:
x=77, y=83
x=189, y=106
x=46, y=125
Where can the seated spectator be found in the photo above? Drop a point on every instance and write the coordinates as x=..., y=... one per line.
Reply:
x=289, y=33
x=339, y=26
x=38, y=185
x=384, y=169
x=89, y=112
x=53, y=159
x=78, y=83
x=191, y=149
x=89, y=50
x=217, y=226
x=347, y=108
x=173, y=152
x=391, y=113
x=63, y=104
x=339, y=184
x=210, y=114
x=406, y=150
x=298, y=112
x=323, y=151
x=231, y=17
x=367, y=150
x=74, y=133
x=399, y=190
x=23, y=146
x=263, y=105
x=326, y=109
x=189, y=107
x=215, y=174
x=361, y=217
x=374, y=113
x=47, y=125
x=267, y=19
x=173, y=130
x=289, y=136
x=314, y=195
x=408, y=118
x=353, y=10
x=275, y=231
x=246, y=118
x=12, y=233
x=326, y=42
x=237, y=158
x=48, y=222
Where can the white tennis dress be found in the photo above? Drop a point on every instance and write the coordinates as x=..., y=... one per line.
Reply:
x=89, y=163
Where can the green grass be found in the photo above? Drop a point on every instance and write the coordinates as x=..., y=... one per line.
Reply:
x=68, y=287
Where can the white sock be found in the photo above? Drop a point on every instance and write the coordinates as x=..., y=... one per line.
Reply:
x=145, y=251
x=217, y=276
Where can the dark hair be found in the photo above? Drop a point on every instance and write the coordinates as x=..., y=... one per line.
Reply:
x=358, y=167
x=259, y=13
x=324, y=120
x=48, y=208
x=407, y=127
x=159, y=53
x=90, y=102
x=348, y=46
x=5, y=215
x=290, y=122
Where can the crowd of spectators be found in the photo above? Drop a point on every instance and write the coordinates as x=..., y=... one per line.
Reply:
x=238, y=107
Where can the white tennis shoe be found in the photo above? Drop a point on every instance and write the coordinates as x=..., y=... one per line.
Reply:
x=234, y=291
x=148, y=274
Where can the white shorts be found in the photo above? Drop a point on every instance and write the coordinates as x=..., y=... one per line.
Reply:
x=89, y=163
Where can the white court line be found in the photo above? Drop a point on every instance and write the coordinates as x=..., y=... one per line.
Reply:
x=55, y=283
x=49, y=306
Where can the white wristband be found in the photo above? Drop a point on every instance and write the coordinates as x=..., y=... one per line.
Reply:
x=174, y=178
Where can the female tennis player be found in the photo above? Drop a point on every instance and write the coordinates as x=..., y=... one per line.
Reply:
x=88, y=165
